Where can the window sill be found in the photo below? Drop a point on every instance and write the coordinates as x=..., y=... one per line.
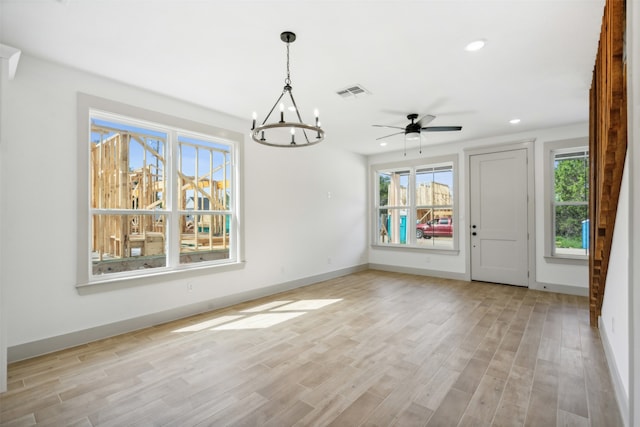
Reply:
x=416, y=248
x=567, y=259
x=110, y=284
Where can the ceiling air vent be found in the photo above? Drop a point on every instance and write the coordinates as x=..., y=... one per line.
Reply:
x=353, y=91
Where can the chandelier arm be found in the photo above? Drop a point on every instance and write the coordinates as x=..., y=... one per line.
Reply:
x=298, y=114
x=274, y=107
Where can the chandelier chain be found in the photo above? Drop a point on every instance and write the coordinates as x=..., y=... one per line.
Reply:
x=287, y=81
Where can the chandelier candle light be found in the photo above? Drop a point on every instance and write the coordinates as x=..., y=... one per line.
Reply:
x=267, y=133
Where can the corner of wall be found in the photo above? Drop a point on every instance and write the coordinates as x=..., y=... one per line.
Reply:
x=3, y=322
x=621, y=394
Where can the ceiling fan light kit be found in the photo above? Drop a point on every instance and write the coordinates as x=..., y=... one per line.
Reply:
x=282, y=133
x=413, y=131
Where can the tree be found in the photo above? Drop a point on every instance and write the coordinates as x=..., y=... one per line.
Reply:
x=571, y=186
x=571, y=180
x=385, y=180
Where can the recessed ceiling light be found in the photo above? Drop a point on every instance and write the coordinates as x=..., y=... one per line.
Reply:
x=514, y=121
x=475, y=45
x=383, y=144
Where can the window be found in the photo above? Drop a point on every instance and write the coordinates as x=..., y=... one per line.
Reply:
x=567, y=225
x=160, y=197
x=571, y=202
x=420, y=194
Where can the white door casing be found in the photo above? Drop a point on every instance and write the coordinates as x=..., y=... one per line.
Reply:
x=498, y=221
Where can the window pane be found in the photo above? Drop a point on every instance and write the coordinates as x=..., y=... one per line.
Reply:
x=393, y=188
x=384, y=179
x=127, y=166
x=204, y=237
x=571, y=230
x=204, y=175
x=127, y=242
x=434, y=187
x=392, y=226
x=571, y=177
x=435, y=228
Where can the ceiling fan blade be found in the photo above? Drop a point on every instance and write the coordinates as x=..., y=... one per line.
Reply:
x=425, y=120
x=441, y=128
x=397, y=133
x=385, y=126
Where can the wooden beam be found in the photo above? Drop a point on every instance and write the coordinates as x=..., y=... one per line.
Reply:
x=607, y=148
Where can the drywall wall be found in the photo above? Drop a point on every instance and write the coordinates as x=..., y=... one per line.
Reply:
x=4, y=79
x=633, y=154
x=292, y=228
x=547, y=272
x=614, y=319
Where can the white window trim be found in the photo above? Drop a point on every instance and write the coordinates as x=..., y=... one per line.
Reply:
x=86, y=104
x=550, y=149
x=413, y=165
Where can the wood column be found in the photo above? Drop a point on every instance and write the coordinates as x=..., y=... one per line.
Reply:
x=607, y=148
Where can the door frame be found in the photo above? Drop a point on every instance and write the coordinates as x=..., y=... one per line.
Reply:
x=531, y=223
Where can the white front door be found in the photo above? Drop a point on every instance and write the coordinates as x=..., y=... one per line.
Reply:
x=498, y=232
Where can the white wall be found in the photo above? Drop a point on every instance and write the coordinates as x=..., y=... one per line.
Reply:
x=633, y=154
x=291, y=226
x=554, y=273
x=3, y=322
x=620, y=317
x=614, y=322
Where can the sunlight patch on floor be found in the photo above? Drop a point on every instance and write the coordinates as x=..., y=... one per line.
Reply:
x=208, y=324
x=265, y=307
x=261, y=316
x=307, y=304
x=259, y=321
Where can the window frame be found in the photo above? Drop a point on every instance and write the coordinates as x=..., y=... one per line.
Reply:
x=413, y=166
x=551, y=149
x=90, y=106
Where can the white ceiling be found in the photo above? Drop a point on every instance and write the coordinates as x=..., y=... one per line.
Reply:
x=227, y=55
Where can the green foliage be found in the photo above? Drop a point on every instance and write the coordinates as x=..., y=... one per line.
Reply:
x=385, y=180
x=563, y=242
x=571, y=185
x=571, y=179
x=569, y=221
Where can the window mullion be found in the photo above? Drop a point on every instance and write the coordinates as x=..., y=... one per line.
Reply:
x=411, y=207
x=172, y=190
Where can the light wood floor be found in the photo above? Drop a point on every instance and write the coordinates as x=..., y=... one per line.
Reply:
x=372, y=348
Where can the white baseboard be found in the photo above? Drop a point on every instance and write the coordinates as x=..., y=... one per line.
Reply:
x=618, y=388
x=561, y=289
x=418, y=271
x=60, y=342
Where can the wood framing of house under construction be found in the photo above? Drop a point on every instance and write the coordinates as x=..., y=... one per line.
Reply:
x=132, y=200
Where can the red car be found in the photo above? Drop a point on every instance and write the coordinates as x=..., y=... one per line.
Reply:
x=442, y=227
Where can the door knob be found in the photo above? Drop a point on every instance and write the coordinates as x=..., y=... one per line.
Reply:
x=474, y=233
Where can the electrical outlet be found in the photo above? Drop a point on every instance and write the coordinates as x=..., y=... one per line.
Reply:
x=329, y=260
x=189, y=287
x=328, y=194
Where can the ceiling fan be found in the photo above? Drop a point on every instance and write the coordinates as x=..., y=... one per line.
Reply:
x=413, y=130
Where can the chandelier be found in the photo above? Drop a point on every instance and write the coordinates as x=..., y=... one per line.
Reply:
x=283, y=133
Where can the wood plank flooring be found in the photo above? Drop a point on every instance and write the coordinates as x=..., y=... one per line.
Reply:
x=368, y=349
